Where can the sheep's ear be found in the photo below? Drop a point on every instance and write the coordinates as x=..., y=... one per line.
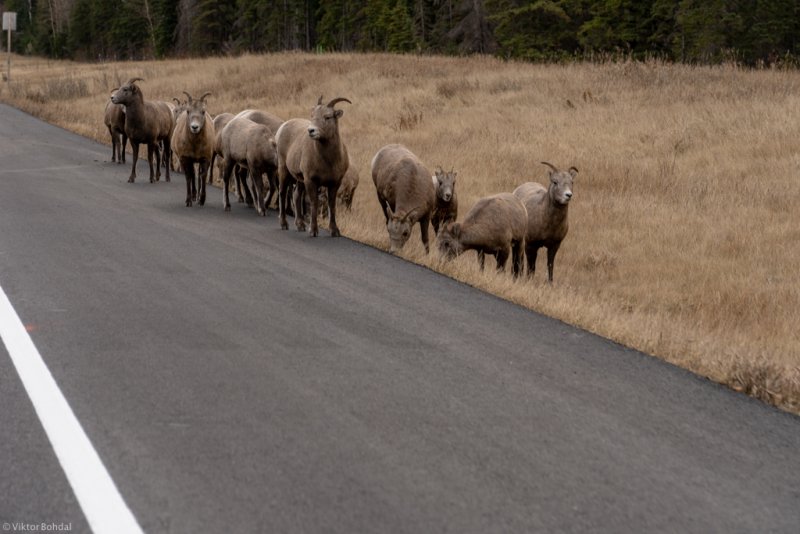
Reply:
x=454, y=176
x=338, y=113
x=319, y=102
x=438, y=171
x=573, y=171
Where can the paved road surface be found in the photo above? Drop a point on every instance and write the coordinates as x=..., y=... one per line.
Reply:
x=236, y=378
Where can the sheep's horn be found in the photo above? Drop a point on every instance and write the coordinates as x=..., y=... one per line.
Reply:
x=190, y=96
x=176, y=100
x=134, y=80
x=573, y=170
x=319, y=102
x=407, y=215
x=203, y=98
x=550, y=165
x=336, y=100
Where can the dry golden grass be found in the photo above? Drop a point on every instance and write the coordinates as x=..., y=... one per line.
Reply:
x=683, y=242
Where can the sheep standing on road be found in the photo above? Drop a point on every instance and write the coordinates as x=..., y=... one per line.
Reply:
x=494, y=225
x=115, y=122
x=148, y=122
x=405, y=193
x=193, y=142
x=547, y=215
x=446, y=210
x=250, y=146
x=312, y=155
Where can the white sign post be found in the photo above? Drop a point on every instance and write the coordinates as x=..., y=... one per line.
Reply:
x=9, y=25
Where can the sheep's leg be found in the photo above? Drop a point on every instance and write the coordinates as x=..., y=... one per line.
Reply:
x=188, y=167
x=227, y=169
x=272, y=186
x=124, y=147
x=383, y=207
x=135, y=150
x=205, y=168
x=242, y=188
x=195, y=186
x=517, y=257
x=531, y=250
x=283, y=190
x=168, y=155
x=481, y=259
x=435, y=224
x=114, y=143
x=332, y=192
x=551, y=260
x=423, y=231
x=299, y=205
x=258, y=188
x=211, y=167
x=502, y=258
x=152, y=151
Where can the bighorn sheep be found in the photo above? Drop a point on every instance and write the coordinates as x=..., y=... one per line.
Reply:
x=446, y=199
x=405, y=193
x=250, y=146
x=547, y=215
x=149, y=122
x=273, y=122
x=494, y=225
x=115, y=122
x=312, y=154
x=193, y=142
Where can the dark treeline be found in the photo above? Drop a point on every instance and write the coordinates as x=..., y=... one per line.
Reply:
x=752, y=32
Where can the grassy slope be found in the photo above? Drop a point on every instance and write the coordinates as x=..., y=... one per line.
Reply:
x=682, y=241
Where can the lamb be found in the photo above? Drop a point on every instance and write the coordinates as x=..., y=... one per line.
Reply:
x=312, y=154
x=193, y=142
x=547, y=215
x=115, y=122
x=149, y=122
x=446, y=199
x=494, y=225
x=405, y=193
x=250, y=146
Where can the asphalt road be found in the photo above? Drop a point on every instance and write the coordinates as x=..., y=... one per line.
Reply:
x=237, y=378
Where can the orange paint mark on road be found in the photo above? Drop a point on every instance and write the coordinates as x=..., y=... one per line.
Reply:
x=30, y=327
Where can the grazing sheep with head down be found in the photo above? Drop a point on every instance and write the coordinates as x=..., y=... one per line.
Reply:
x=250, y=146
x=446, y=199
x=494, y=225
x=115, y=122
x=148, y=122
x=312, y=155
x=193, y=142
x=547, y=215
x=405, y=193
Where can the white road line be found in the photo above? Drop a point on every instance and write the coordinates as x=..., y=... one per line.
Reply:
x=100, y=500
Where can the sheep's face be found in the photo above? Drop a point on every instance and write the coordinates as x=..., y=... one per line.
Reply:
x=196, y=117
x=324, y=123
x=399, y=228
x=448, y=241
x=561, y=185
x=445, y=184
x=126, y=94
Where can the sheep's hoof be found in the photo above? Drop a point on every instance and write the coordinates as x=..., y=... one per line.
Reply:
x=312, y=232
x=130, y=180
x=202, y=201
x=167, y=180
x=284, y=225
x=227, y=208
x=188, y=203
x=335, y=232
x=240, y=200
x=152, y=181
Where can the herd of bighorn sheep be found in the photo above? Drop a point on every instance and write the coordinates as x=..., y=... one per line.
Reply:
x=307, y=160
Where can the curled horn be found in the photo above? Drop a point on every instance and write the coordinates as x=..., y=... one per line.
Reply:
x=407, y=215
x=573, y=170
x=190, y=97
x=134, y=80
x=550, y=165
x=203, y=98
x=335, y=101
x=177, y=101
